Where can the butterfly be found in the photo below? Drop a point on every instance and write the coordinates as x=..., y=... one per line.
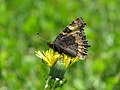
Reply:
x=72, y=41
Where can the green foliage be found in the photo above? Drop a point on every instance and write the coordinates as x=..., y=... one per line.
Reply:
x=20, y=20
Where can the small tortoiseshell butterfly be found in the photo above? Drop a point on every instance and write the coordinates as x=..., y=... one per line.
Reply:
x=72, y=41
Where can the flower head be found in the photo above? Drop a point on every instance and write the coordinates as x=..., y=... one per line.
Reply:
x=58, y=64
x=50, y=57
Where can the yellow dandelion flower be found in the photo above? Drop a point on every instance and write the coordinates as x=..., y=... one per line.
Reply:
x=58, y=64
x=50, y=57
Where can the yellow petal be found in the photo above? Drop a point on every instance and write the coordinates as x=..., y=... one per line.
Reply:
x=41, y=56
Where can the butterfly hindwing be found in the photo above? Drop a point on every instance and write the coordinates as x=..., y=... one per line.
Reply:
x=72, y=41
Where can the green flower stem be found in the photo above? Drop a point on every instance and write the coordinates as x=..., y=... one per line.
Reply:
x=55, y=83
x=47, y=83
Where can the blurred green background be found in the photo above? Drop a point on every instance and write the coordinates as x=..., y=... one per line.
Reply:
x=20, y=20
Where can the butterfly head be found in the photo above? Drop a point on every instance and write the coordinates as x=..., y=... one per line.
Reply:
x=51, y=44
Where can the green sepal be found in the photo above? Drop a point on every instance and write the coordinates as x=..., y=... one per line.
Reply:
x=58, y=69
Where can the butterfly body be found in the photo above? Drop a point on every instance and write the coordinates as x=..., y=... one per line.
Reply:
x=72, y=41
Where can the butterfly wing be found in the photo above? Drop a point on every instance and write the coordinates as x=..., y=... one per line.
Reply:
x=72, y=41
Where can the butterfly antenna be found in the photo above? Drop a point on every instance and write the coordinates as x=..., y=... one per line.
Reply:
x=38, y=35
